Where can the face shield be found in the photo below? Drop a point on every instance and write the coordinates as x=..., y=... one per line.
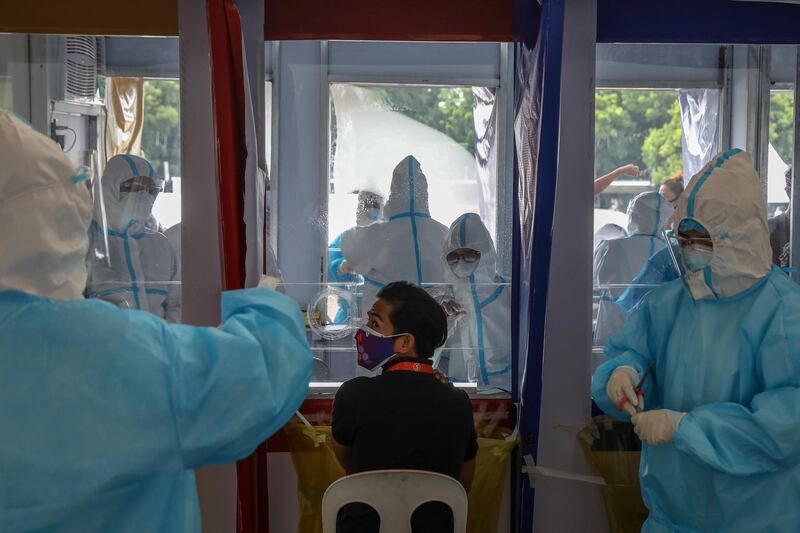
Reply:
x=370, y=208
x=131, y=262
x=697, y=247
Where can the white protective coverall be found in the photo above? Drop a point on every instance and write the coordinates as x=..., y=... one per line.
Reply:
x=618, y=261
x=479, y=342
x=131, y=262
x=406, y=245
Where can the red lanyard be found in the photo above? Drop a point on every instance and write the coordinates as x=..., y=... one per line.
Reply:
x=409, y=366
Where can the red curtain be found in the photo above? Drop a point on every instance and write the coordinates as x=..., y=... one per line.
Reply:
x=227, y=80
x=227, y=71
x=412, y=20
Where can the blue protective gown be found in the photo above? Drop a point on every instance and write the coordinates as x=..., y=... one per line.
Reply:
x=107, y=411
x=726, y=345
x=335, y=260
x=734, y=365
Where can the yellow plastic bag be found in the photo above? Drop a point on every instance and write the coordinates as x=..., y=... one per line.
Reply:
x=490, y=482
x=316, y=468
x=625, y=509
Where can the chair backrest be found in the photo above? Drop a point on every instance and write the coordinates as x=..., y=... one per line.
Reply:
x=395, y=494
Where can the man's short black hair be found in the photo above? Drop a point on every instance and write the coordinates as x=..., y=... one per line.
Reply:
x=788, y=176
x=414, y=311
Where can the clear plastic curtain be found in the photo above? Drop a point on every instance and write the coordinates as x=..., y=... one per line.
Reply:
x=699, y=139
x=526, y=145
x=484, y=112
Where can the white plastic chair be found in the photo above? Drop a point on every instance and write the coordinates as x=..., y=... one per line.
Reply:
x=395, y=495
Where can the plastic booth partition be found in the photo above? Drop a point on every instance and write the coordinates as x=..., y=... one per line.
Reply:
x=538, y=34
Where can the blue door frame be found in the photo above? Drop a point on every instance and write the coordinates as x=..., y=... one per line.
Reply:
x=618, y=21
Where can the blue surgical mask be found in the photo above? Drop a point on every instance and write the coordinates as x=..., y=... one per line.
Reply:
x=696, y=258
x=373, y=213
x=374, y=349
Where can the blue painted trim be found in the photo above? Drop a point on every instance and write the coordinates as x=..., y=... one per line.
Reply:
x=414, y=219
x=688, y=21
x=552, y=29
x=407, y=214
x=702, y=181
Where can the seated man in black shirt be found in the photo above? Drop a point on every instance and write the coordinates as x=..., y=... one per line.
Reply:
x=405, y=418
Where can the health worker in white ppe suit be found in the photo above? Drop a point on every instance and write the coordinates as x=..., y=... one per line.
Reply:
x=618, y=261
x=131, y=262
x=406, y=245
x=107, y=411
x=479, y=323
x=720, y=410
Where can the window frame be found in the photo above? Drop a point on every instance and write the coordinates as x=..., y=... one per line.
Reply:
x=383, y=62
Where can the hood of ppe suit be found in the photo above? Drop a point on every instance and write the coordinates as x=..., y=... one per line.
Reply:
x=409, y=191
x=123, y=211
x=468, y=231
x=45, y=212
x=648, y=214
x=726, y=198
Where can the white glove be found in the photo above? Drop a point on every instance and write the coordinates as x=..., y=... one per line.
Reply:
x=622, y=384
x=269, y=282
x=657, y=427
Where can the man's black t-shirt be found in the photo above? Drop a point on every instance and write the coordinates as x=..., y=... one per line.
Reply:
x=403, y=420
